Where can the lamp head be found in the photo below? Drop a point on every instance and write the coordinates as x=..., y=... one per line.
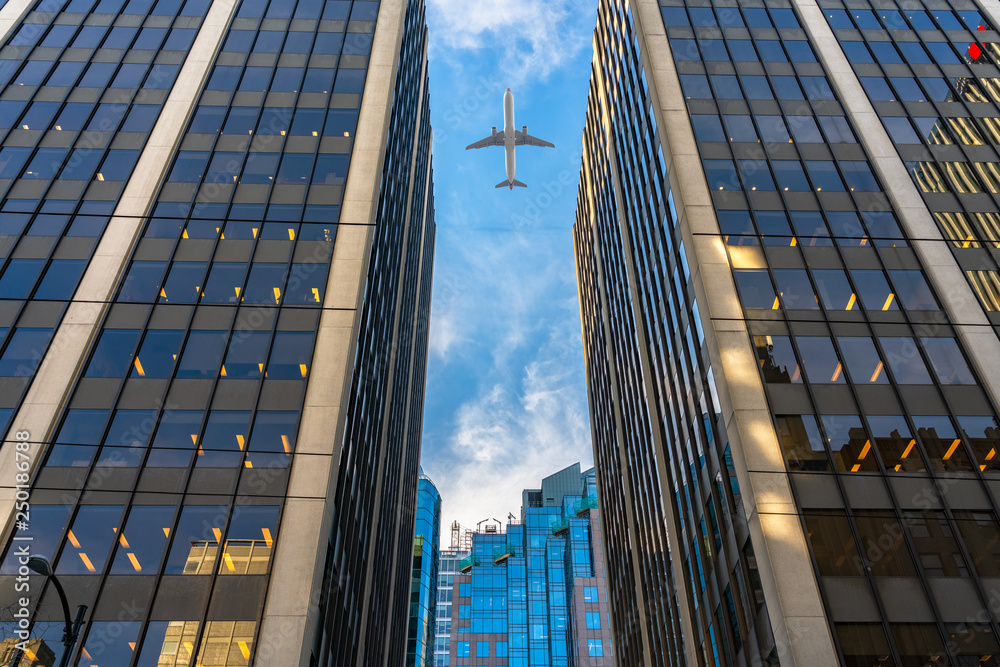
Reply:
x=40, y=564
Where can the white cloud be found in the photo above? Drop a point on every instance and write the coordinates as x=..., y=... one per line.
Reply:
x=532, y=34
x=511, y=434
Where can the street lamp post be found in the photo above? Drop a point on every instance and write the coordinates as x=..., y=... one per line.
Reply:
x=71, y=632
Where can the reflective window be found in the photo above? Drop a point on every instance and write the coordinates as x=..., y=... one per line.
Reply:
x=802, y=443
x=249, y=540
x=947, y=361
x=849, y=443
x=143, y=540
x=833, y=545
x=89, y=539
x=820, y=359
x=157, y=354
x=195, y=541
x=863, y=361
x=905, y=361
x=113, y=354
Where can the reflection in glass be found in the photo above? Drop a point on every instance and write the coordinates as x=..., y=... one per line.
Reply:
x=168, y=644
x=802, y=443
x=89, y=540
x=822, y=366
x=897, y=448
x=944, y=448
x=849, y=443
x=143, y=540
x=777, y=359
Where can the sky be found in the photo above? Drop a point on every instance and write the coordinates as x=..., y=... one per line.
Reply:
x=506, y=400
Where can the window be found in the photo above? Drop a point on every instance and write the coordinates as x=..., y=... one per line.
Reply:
x=895, y=444
x=947, y=361
x=874, y=290
x=834, y=290
x=904, y=360
x=249, y=540
x=594, y=648
x=113, y=353
x=109, y=642
x=755, y=288
x=202, y=354
x=849, y=443
x=802, y=443
x=945, y=451
x=863, y=361
x=482, y=649
x=795, y=290
x=463, y=649
x=24, y=352
x=590, y=594
x=89, y=540
x=143, y=540
x=157, y=354
x=44, y=530
x=833, y=545
x=913, y=290
x=593, y=620
x=891, y=559
x=820, y=360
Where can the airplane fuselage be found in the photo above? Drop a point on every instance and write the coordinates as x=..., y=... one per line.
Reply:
x=509, y=133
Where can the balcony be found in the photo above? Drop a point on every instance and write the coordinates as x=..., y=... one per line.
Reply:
x=502, y=553
x=586, y=504
x=466, y=563
x=559, y=527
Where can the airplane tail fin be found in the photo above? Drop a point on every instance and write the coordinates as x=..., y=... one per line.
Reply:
x=508, y=184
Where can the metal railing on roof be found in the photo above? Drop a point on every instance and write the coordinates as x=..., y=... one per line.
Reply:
x=502, y=553
x=586, y=504
x=466, y=563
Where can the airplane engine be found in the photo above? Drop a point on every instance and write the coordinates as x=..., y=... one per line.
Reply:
x=524, y=130
x=494, y=130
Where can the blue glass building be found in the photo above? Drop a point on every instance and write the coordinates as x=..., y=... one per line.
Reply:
x=423, y=585
x=534, y=594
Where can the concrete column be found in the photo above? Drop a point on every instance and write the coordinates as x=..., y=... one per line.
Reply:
x=798, y=619
x=958, y=298
x=291, y=607
x=59, y=369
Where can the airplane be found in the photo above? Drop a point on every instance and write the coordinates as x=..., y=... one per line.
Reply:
x=508, y=137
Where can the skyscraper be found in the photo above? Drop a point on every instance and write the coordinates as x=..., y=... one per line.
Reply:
x=786, y=251
x=535, y=594
x=448, y=561
x=424, y=582
x=218, y=235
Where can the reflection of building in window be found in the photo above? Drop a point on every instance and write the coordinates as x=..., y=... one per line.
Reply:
x=225, y=644
x=178, y=644
x=34, y=654
x=238, y=557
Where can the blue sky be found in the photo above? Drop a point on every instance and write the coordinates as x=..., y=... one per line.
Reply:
x=506, y=399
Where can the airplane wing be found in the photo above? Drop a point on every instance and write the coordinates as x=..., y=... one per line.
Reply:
x=523, y=139
x=493, y=140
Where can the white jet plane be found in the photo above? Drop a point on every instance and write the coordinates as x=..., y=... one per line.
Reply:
x=509, y=138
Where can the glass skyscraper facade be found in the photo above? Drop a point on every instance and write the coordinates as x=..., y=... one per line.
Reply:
x=786, y=263
x=217, y=235
x=535, y=594
x=448, y=561
x=424, y=582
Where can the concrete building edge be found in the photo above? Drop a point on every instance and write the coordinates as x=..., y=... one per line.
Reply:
x=787, y=607
x=11, y=16
x=942, y=269
x=351, y=257
x=55, y=377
